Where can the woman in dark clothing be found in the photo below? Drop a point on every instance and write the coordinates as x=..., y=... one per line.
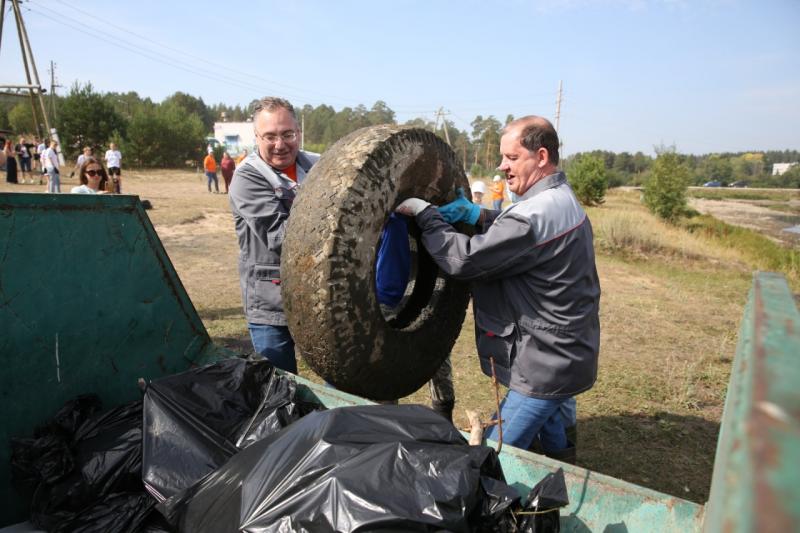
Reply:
x=11, y=163
x=228, y=165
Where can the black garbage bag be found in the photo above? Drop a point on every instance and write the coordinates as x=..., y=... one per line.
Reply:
x=90, y=480
x=47, y=456
x=544, y=500
x=361, y=468
x=196, y=420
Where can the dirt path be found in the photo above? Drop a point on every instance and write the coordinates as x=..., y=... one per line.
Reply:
x=754, y=214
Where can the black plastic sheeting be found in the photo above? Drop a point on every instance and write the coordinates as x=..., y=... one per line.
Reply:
x=361, y=468
x=197, y=420
x=85, y=469
x=543, y=502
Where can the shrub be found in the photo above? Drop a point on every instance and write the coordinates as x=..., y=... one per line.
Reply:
x=588, y=179
x=665, y=189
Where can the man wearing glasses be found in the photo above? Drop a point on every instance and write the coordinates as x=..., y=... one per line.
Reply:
x=262, y=190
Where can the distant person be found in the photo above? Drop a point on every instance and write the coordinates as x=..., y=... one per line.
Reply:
x=498, y=194
x=114, y=163
x=37, y=157
x=262, y=191
x=478, y=189
x=86, y=153
x=227, y=166
x=10, y=156
x=93, y=178
x=241, y=157
x=210, y=167
x=39, y=151
x=514, y=197
x=50, y=161
x=25, y=157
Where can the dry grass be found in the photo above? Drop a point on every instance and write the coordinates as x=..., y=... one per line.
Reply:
x=670, y=308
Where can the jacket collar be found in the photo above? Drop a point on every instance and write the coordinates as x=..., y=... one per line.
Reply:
x=548, y=182
x=275, y=177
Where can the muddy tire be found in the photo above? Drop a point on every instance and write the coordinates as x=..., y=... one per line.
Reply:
x=328, y=264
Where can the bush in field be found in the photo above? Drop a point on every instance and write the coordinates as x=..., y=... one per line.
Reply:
x=588, y=178
x=665, y=189
x=164, y=136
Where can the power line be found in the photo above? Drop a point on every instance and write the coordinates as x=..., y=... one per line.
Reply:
x=125, y=45
x=151, y=43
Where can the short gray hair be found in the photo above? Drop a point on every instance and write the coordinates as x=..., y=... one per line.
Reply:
x=271, y=103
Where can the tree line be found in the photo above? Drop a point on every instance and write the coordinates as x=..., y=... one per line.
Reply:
x=751, y=168
x=172, y=132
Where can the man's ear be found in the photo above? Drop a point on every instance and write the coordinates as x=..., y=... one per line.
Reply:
x=544, y=157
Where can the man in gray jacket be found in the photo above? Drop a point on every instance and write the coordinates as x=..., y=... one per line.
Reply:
x=534, y=284
x=261, y=194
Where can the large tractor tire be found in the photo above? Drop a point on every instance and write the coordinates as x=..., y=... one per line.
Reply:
x=328, y=264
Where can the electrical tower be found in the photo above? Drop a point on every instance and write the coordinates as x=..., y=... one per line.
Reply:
x=33, y=86
x=440, y=114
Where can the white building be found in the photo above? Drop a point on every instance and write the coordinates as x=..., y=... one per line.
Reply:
x=235, y=136
x=780, y=168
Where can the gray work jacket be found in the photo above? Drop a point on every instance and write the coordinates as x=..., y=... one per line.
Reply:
x=535, y=289
x=261, y=198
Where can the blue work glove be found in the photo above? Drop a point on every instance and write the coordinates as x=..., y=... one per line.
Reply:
x=460, y=210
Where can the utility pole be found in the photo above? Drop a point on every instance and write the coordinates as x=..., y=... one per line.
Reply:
x=441, y=114
x=558, y=114
x=34, y=85
x=558, y=104
x=53, y=90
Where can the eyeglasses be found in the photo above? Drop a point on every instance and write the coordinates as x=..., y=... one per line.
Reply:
x=93, y=173
x=272, y=138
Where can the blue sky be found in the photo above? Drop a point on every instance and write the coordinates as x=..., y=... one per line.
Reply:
x=705, y=75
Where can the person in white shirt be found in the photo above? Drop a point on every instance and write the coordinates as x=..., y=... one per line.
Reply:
x=50, y=162
x=478, y=190
x=113, y=161
x=42, y=169
x=92, y=176
x=87, y=152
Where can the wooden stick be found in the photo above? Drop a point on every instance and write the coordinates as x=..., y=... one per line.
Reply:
x=476, y=428
x=497, y=406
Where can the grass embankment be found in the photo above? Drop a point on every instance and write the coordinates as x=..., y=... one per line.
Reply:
x=758, y=250
x=722, y=193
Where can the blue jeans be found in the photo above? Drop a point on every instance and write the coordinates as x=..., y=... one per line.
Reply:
x=212, y=176
x=54, y=183
x=497, y=204
x=569, y=412
x=274, y=343
x=525, y=417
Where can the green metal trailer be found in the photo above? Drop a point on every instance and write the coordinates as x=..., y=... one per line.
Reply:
x=89, y=302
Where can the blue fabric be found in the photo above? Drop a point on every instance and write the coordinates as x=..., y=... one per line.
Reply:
x=460, y=210
x=54, y=184
x=393, y=265
x=212, y=176
x=497, y=205
x=274, y=343
x=524, y=418
x=569, y=412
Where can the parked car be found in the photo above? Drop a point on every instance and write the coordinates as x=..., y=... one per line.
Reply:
x=714, y=183
x=740, y=183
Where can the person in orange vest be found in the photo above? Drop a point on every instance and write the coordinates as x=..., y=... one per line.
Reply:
x=210, y=166
x=498, y=193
